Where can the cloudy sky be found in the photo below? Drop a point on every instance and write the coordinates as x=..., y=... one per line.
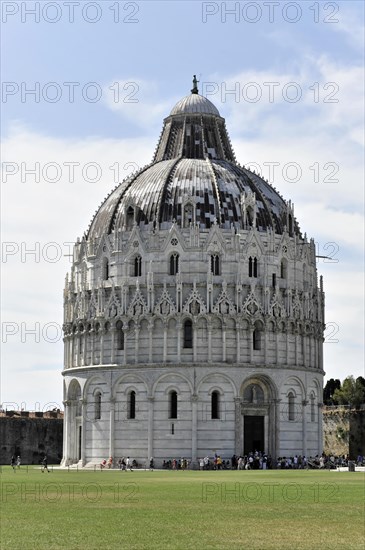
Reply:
x=86, y=86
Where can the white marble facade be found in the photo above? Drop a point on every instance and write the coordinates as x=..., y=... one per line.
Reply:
x=185, y=338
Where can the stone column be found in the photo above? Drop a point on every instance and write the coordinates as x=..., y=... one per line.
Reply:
x=125, y=351
x=238, y=426
x=83, y=427
x=84, y=355
x=297, y=336
x=238, y=344
x=112, y=352
x=77, y=349
x=315, y=350
x=101, y=346
x=74, y=351
x=304, y=427
x=69, y=352
x=321, y=353
x=194, y=429
x=72, y=455
x=250, y=343
x=310, y=350
x=209, y=343
x=277, y=336
x=111, y=426
x=66, y=427
x=178, y=330
x=287, y=347
x=136, y=342
x=150, y=342
x=265, y=335
x=150, y=426
x=65, y=350
x=223, y=341
x=276, y=427
x=92, y=336
x=164, y=342
x=195, y=340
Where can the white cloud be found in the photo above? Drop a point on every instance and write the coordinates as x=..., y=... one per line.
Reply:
x=137, y=100
x=351, y=25
x=316, y=98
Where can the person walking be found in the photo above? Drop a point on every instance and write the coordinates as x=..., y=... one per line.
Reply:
x=13, y=463
x=45, y=464
x=128, y=464
x=18, y=462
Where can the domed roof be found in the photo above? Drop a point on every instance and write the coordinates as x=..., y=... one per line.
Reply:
x=215, y=189
x=194, y=164
x=194, y=103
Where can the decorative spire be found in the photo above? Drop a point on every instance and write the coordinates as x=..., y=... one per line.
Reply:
x=195, y=85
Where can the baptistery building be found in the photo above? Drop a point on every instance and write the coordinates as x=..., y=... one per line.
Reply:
x=193, y=314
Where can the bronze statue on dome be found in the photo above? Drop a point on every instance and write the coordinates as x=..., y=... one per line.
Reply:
x=195, y=85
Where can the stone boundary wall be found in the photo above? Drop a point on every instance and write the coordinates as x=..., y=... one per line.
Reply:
x=31, y=436
x=344, y=432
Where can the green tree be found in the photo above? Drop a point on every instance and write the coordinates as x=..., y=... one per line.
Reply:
x=352, y=392
x=329, y=389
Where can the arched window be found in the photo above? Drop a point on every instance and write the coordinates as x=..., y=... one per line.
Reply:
x=188, y=334
x=291, y=409
x=81, y=344
x=97, y=405
x=188, y=215
x=290, y=225
x=129, y=217
x=252, y=267
x=274, y=280
x=250, y=216
x=215, y=266
x=256, y=339
x=84, y=274
x=215, y=405
x=174, y=264
x=105, y=269
x=120, y=335
x=283, y=269
x=313, y=410
x=173, y=404
x=131, y=405
x=137, y=266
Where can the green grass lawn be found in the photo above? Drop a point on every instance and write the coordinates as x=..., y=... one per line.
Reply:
x=181, y=510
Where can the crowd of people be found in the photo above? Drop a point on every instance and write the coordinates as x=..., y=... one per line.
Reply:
x=252, y=461
x=176, y=464
x=261, y=461
x=123, y=463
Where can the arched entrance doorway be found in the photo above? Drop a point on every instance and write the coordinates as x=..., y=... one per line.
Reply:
x=258, y=416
